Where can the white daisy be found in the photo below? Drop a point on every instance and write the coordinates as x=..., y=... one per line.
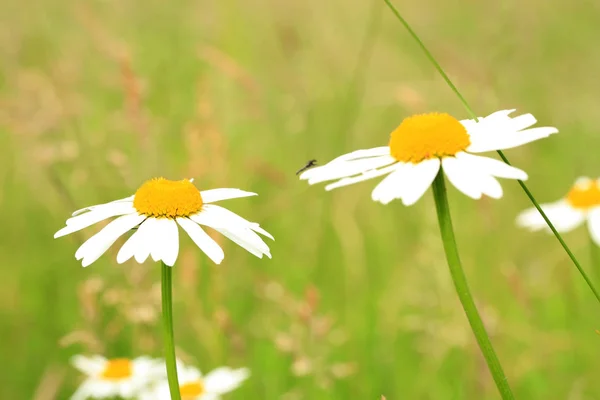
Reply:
x=156, y=209
x=194, y=386
x=423, y=143
x=581, y=204
x=120, y=377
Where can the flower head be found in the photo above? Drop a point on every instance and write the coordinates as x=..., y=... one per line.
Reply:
x=422, y=144
x=580, y=204
x=194, y=386
x=155, y=211
x=120, y=377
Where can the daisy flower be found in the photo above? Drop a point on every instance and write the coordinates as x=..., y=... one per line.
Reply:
x=424, y=143
x=120, y=377
x=194, y=386
x=581, y=204
x=155, y=211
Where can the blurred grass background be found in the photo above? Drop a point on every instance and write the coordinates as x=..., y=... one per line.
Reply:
x=98, y=96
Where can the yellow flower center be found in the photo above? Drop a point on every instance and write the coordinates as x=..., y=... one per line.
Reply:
x=426, y=136
x=191, y=390
x=118, y=368
x=584, y=194
x=162, y=198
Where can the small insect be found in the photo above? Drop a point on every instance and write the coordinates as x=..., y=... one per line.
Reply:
x=308, y=165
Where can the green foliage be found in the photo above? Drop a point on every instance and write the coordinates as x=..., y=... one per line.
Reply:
x=357, y=302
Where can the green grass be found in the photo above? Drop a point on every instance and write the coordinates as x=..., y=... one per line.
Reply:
x=96, y=97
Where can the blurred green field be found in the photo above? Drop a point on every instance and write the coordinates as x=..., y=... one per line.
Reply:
x=357, y=302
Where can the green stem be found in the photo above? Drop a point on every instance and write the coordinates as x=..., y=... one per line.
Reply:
x=169, y=341
x=462, y=288
x=441, y=71
x=595, y=258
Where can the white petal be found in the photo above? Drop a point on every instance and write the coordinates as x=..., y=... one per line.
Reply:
x=337, y=170
x=188, y=373
x=212, y=195
x=471, y=173
x=374, y=152
x=392, y=186
x=594, y=225
x=246, y=239
x=126, y=389
x=583, y=182
x=498, y=131
x=481, y=171
x=227, y=219
x=144, y=365
x=522, y=122
x=90, y=366
x=490, y=186
x=498, y=140
x=223, y=380
x=158, y=391
x=233, y=230
x=83, y=221
x=362, y=177
x=131, y=246
x=462, y=177
x=498, y=116
x=158, y=238
x=84, y=392
x=97, y=245
x=170, y=242
x=418, y=180
x=202, y=240
x=492, y=167
x=144, y=242
x=82, y=210
x=564, y=217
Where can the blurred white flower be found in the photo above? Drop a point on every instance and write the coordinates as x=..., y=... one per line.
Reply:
x=581, y=204
x=424, y=143
x=194, y=386
x=107, y=378
x=156, y=209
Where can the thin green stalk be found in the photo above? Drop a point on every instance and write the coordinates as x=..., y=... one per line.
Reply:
x=167, y=311
x=441, y=71
x=595, y=258
x=462, y=288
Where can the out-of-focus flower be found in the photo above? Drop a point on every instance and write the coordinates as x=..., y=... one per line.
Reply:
x=581, y=204
x=194, y=386
x=107, y=378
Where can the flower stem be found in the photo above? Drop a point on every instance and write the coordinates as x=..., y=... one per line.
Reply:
x=441, y=71
x=462, y=288
x=169, y=341
x=595, y=258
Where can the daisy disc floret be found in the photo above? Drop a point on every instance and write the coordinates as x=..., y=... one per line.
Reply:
x=162, y=198
x=427, y=136
x=581, y=204
x=422, y=144
x=119, y=377
x=155, y=212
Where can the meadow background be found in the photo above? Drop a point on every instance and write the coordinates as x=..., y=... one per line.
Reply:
x=357, y=302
